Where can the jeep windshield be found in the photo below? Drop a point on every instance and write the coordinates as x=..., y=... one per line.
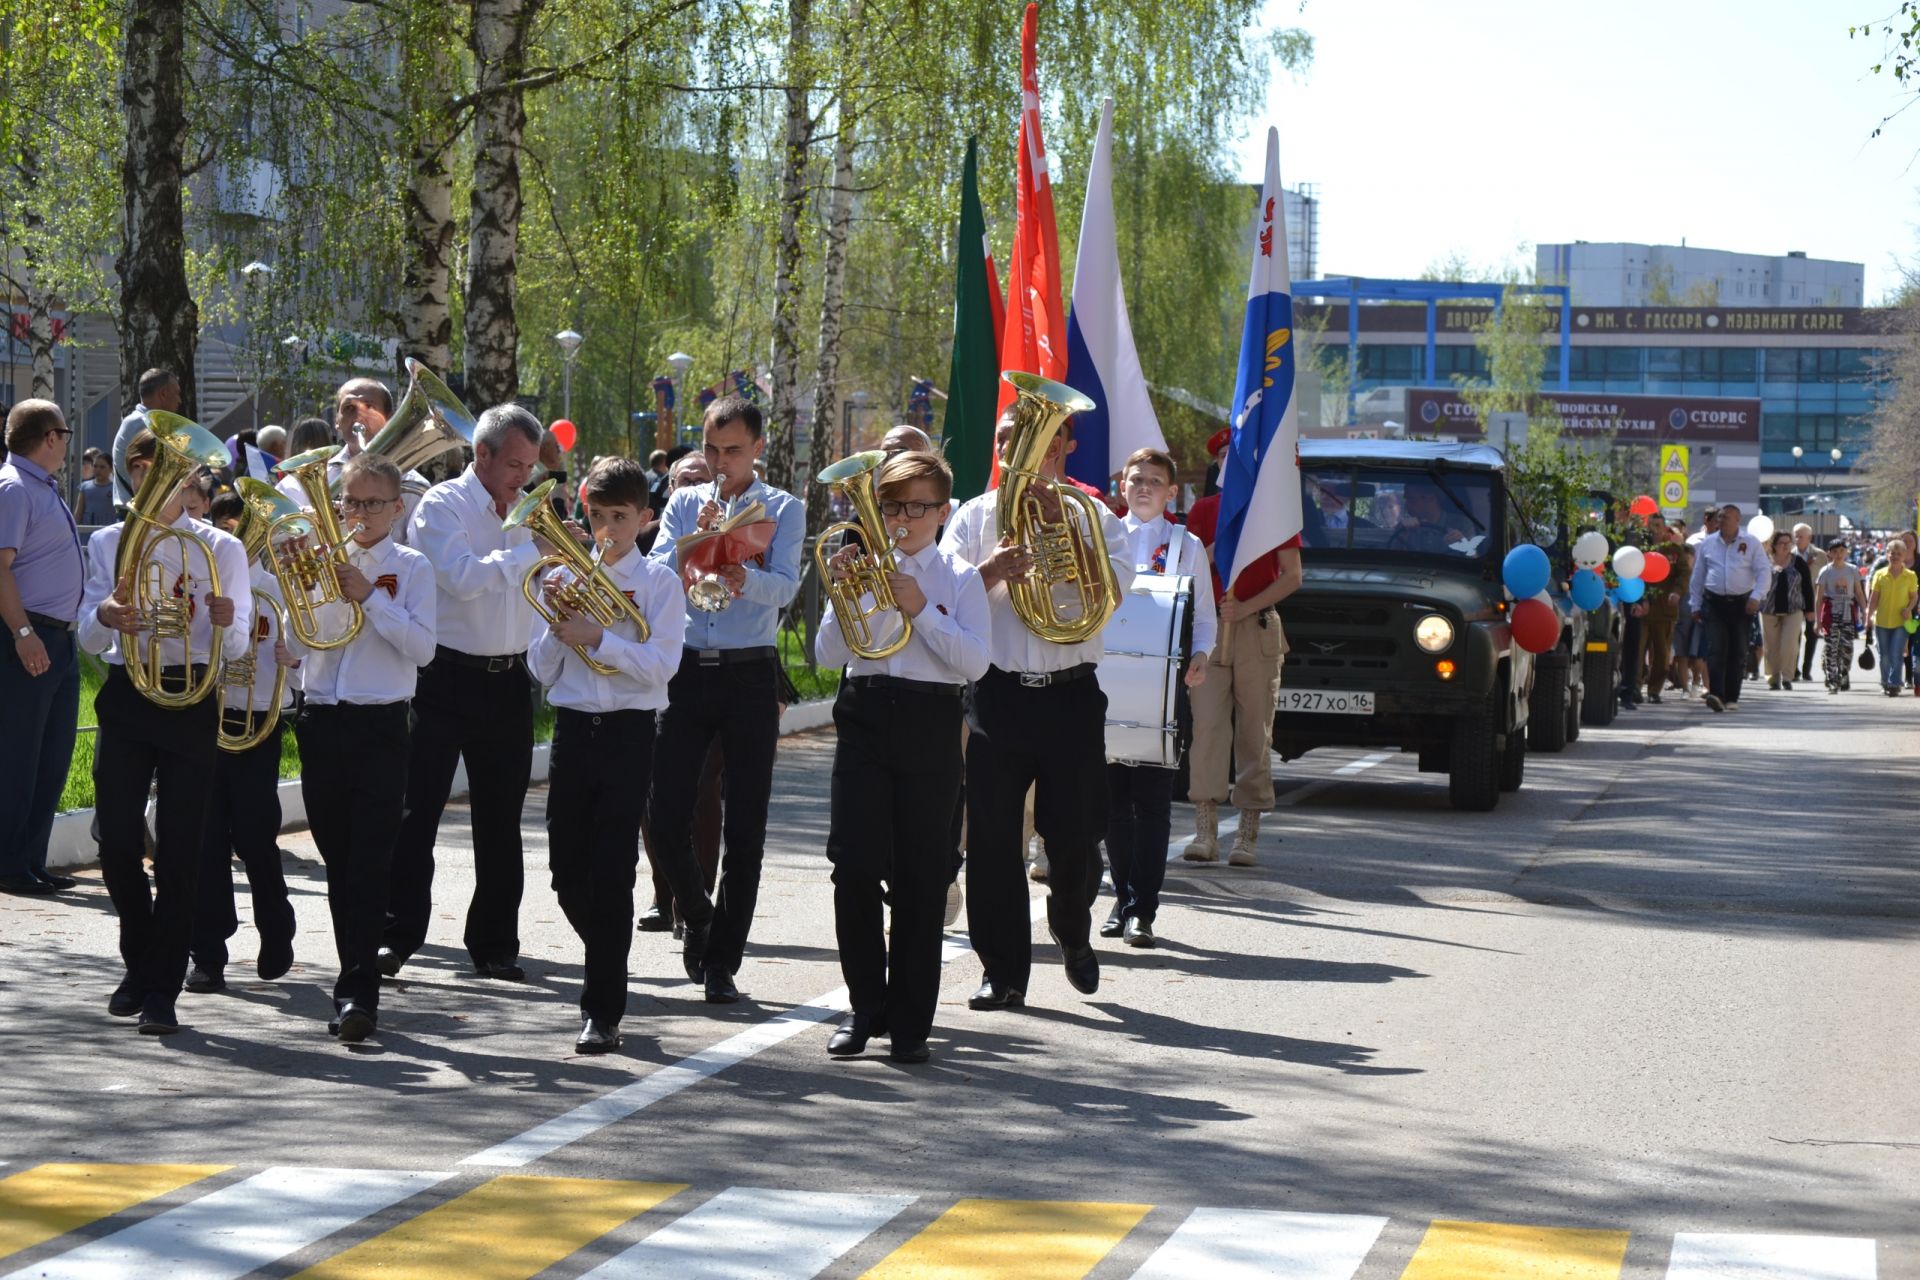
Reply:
x=1363, y=507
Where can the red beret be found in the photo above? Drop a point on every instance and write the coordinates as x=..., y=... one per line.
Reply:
x=1218, y=441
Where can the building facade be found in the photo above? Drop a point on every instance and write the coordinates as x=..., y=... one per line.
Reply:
x=1663, y=275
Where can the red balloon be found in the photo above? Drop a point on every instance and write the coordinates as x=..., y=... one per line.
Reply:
x=1536, y=627
x=564, y=432
x=1643, y=506
x=1657, y=568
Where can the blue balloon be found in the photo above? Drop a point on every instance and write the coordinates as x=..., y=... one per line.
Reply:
x=1526, y=571
x=1630, y=590
x=1589, y=589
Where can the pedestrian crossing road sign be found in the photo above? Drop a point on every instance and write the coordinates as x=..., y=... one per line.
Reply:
x=1673, y=457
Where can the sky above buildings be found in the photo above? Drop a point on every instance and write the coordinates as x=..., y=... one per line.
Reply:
x=1484, y=127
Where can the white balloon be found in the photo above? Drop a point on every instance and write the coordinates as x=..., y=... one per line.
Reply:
x=1761, y=527
x=1629, y=561
x=1590, y=549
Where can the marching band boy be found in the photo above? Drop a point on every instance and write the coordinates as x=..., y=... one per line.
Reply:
x=603, y=740
x=353, y=730
x=1141, y=818
x=141, y=741
x=896, y=766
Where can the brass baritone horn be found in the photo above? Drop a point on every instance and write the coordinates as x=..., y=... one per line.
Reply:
x=265, y=506
x=1066, y=559
x=853, y=476
x=591, y=592
x=185, y=446
x=310, y=574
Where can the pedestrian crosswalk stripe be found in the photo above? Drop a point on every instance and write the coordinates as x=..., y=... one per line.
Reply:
x=52, y=1199
x=509, y=1228
x=234, y=1230
x=1502, y=1251
x=1258, y=1244
x=1712, y=1256
x=1032, y=1239
x=746, y=1233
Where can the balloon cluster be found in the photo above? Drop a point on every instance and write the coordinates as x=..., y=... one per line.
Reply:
x=1535, y=623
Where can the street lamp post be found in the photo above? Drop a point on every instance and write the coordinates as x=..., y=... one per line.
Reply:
x=857, y=400
x=296, y=347
x=254, y=272
x=569, y=348
x=681, y=362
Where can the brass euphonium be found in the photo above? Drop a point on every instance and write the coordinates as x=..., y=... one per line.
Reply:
x=591, y=592
x=1067, y=559
x=185, y=446
x=853, y=476
x=309, y=548
x=265, y=507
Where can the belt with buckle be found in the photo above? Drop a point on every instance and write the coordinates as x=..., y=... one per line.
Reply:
x=728, y=657
x=48, y=620
x=476, y=661
x=910, y=686
x=1042, y=679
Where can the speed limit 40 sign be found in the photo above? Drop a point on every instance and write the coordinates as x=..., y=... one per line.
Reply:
x=1673, y=491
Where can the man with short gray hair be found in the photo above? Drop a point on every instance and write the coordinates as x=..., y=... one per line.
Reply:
x=473, y=701
x=1731, y=574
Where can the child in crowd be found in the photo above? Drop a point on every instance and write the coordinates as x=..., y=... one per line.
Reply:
x=1841, y=602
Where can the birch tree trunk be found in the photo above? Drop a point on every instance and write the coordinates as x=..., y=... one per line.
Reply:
x=833, y=298
x=499, y=42
x=426, y=324
x=159, y=322
x=788, y=251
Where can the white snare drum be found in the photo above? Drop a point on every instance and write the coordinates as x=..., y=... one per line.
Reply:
x=1146, y=643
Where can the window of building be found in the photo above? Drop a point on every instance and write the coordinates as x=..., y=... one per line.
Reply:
x=1468, y=361
x=1392, y=363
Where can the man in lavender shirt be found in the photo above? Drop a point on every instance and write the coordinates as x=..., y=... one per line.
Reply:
x=41, y=573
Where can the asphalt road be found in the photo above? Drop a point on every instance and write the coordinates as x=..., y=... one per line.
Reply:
x=1652, y=1013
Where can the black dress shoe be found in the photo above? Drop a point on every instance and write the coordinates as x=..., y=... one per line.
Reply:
x=598, y=1037
x=354, y=1023
x=693, y=956
x=204, y=981
x=1082, y=966
x=156, y=1017
x=388, y=962
x=909, y=1051
x=720, y=988
x=503, y=970
x=276, y=957
x=992, y=995
x=1139, y=932
x=27, y=886
x=654, y=920
x=1114, y=926
x=125, y=1000
x=57, y=881
x=851, y=1039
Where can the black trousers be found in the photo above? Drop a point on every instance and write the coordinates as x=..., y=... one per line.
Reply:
x=738, y=703
x=353, y=777
x=243, y=818
x=139, y=744
x=38, y=715
x=486, y=718
x=1728, y=629
x=1139, y=824
x=1054, y=737
x=594, y=807
x=896, y=777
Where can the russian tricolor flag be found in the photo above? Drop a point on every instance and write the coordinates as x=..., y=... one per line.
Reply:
x=1101, y=360
x=1260, y=479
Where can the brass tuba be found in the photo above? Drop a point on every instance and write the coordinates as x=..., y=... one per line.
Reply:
x=591, y=592
x=853, y=476
x=310, y=572
x=429, y=421
x=265, y=508
x=1066, y=558
x=185, y=446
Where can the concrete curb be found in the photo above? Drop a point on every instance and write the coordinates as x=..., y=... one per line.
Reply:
x=71, y=844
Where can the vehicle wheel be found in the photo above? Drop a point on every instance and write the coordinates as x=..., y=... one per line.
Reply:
x=1513, y=762
x=1473, y=765
x=1547, y=708
x=1603, y=691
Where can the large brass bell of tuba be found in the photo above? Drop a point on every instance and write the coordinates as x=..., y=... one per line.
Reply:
x=429, y=421
x=310, y=569
x=1069, y=560
x=141, y=574
x=591, y=592
x=265, y=506
x=864, y=598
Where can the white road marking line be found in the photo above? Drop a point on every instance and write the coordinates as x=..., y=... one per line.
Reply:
x=240, y=1228
x=1363, y=764
x=1255, y=1244
x=1725, y=1256
x=746, y=1233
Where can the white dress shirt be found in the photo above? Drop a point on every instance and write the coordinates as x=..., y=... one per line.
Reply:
x=971, y=535
x=479, y=568
x=236, y=584
x=644, y=667
x=1184, y=556
x=1737, y=568
x=410, y=493
x=381, y=664
x=950, y=637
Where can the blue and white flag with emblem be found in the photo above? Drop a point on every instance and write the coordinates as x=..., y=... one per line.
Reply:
x=1260, y=478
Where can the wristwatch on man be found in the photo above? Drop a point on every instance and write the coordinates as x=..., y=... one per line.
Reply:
x=22, y=633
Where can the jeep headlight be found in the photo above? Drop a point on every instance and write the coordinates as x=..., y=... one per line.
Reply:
x=1433, y=633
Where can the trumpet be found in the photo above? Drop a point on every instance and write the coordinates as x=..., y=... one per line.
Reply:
x=310, y=573
x=710, y=593
x=265, y=507
x=138, y=568
x=853, y=477
x=590, y=592
x=1064, y=556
